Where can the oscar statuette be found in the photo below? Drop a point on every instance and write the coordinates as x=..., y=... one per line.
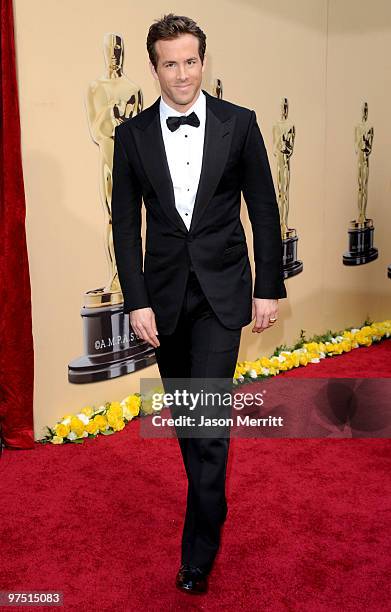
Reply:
x=111, y=347
x=283, y=142
x=361, y=230
x=218, y=89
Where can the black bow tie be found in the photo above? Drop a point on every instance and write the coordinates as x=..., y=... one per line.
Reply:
x=173, y=123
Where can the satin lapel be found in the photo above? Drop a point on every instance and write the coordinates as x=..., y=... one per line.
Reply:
x=217, y=142
x=153, y=155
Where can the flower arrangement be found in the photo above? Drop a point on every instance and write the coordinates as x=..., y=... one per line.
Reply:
x=113, y=416
x=106, y=419
x=311, y=351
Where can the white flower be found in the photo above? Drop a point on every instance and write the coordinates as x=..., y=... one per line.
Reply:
x=281, y=358
x=85, y=434
x=315, y=360
x=252, y=373
x=334, y=341
x=66, y=421
x=241, y=378
x=72, y=435
x=100, y=409
x=339, y=338
x=322, y=355
x=265, y=371
x=83, y=417
x=354, y=330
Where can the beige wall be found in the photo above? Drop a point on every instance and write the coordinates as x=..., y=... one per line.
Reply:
x=325, y=56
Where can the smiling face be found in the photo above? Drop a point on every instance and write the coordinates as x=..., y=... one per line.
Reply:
x=179, y=71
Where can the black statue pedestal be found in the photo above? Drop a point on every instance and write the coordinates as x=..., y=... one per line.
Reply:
x=291, y=264
x=361, y=249
x=111, y=347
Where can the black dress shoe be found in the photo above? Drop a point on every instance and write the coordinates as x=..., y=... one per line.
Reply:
x=192, y=579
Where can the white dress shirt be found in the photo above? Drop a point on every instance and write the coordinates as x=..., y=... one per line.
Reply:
x=184, y=151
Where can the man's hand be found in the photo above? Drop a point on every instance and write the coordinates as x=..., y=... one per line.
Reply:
x=265, y=312
x=143, y=324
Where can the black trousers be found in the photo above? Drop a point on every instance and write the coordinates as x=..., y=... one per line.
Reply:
x=201, y=347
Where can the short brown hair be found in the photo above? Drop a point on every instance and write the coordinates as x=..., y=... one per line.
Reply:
x=171, y=26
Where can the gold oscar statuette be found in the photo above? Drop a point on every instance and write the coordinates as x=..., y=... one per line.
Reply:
x=283, y=142
x=218, y=89
x=361, y=230
x=111, y=347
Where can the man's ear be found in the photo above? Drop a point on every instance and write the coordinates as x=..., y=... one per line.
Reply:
x=153, y=71
x=203, y=64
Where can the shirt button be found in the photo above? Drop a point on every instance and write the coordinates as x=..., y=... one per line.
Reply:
x=185, y=135
x=188, y=163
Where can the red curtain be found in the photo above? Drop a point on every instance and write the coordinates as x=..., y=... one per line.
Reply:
x=16, y=339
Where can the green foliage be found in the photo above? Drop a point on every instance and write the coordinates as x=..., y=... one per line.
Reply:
x=302, y=340
x=278, y=349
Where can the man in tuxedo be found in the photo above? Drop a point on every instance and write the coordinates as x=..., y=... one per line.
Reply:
x=188, y=157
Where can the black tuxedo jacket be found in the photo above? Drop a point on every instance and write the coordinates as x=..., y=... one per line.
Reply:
x=234, y=160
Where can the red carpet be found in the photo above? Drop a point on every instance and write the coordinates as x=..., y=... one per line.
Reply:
x=308, y=525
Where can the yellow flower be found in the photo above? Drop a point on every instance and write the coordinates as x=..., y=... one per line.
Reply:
x=349, y=335
x=377, y=329
x=111, y=418
x=62, y=430
x=329, y=347
x=240, y=370
x=285, y=365
x=57, y=440
x=296, y=358
x=133, y=403
x=77, y=426
x=88, y=411
x=256, y=366
x=303, y=359
x=92, y=427
x=115, y=411
x=313, y=347
x=147, y=407
x=118, y=424
x=338, y=348
x=346, y=345
x=363, y=337
x=100, y=421
x=275, y=362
